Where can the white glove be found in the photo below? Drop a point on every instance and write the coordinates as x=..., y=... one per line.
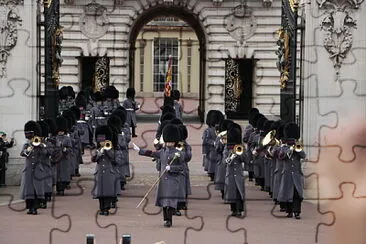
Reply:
x=122, y=133
x=233, y=156
x=167, y=167
x=254, y=152
x=156, y=141
x=177, y=154
x=135, y=147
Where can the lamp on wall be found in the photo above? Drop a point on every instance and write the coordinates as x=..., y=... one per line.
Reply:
x=267, y=3
x=217, y=2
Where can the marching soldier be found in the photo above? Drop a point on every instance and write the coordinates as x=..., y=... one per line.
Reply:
x=56, y=152
x=222, y=152
x=177, y=106
x=106, y=177
x=32, y=181
x=292, y=182
x=172, y=167
x=84, y=122
x=4, y=155
x=131, y=106
x=234, y=179
x=97, y=112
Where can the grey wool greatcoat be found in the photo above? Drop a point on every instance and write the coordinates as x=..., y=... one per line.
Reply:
x=178, y=110
x=168, y=191
x=97, y=116
x=64, y=162
x=277, y=173
x=222, y=151
x=131, y=107
x=248, y=131
x=83, y=128
x=120, y=157
x=33, y=175
x=258, y=160
x=187, y=157
x=292, y=175
x=209, y=137
x=106, y=177
x=46, y=162
x=126, y=133
x=234, y=179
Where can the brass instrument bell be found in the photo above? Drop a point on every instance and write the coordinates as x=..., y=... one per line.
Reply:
x=36, y=141
x=270, y=139
x=107, y=145
x=238, y=149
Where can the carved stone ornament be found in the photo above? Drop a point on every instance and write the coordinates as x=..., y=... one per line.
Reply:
x=283, y=55
x=241, y=23
x=9, y=21
x=337, y=26
x=94, y=22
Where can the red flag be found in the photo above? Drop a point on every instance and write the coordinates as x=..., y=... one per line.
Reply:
x=168, y=80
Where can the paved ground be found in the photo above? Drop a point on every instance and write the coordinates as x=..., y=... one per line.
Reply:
x=69, y=218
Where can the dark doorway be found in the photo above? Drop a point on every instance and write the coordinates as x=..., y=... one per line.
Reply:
x=94, y=72
x=238, y=88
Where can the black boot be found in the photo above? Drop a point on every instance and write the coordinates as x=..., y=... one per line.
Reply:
x=77, y=174
x=297, y=216
x=43, y=203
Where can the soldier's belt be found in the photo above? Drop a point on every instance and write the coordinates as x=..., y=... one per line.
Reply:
x=100, y=117
x=130, y=109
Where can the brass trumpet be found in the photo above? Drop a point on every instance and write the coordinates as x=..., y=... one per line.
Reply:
x=107, y=145
x=238, y=149
x=180, y=146
x=298, y=147
x=36, y=141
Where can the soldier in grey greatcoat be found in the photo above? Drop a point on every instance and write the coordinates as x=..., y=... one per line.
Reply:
x=249, y=129
x=267, y=161
x=80, y=127
x=258, y=152
x=172, y=169
x=106, y=184
x=292, y=183
x=64, y=151
x=221, y=149
x=177, y=106
x=187, y=149
x=234, y=179
x=52, y=138
x=82, y=121
x=33, y=175
x=97, y=117
x=131, y=106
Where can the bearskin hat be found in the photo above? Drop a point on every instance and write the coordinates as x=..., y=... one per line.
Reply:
x=44, y=127
x=76, y=111
x=115, y=121
x=183, y=132
x=252, y=113
x=62, y=124
x=217, y=117
x=32, y=128
x=176, y=121
x=103, y=133
x=167, y=109
x=171, y=133
x=268, y=126
x=63, y=92
x=234, y=135
x=121, y=113
x=80, y=100
x=236, y=126
x=225, y=124
x=108, y=92
x=98, y=96
x=52, y=126
x=68, y=114
x=168, y=101
x=209, y=117
x=291, y=130
x=167, y=116
x=260, y=123
x=115, y=94
x=130, y=93
x=176, y=95
x=115, y=133
x=70, y=92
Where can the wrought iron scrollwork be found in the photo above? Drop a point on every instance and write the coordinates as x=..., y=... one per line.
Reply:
x=101, y=76
x=233, y=86
x=283, y=55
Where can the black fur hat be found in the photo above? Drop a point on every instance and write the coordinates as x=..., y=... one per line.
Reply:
x=52, y=126
x=279, y=130
x=268, y=126
x=69, y=115
x=255, y=118
x=32, y=128
x=176, y=95
x=108, y=92
x=252, y=113
x=209, y=117
x=167, y=109
x=121, y=114
x=235, y=126
x=292, y=131
x=115, y=94
x=130, y=93
x=183, y=132
x=168, y=101
x=70, y=92
x=225, y=124
x=115, y=121
x=103, y=133
x=76, y=111
x=63, y=92
x=98, y=96
x=171, y=133
x=167, y=116
x=234, y=135
x=260, y=123
x=217, y=117
x=176, y=121
x=80, y=100
x=62, y=124
x=44, y=127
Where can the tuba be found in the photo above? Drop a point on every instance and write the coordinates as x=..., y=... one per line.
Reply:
x=270, y=139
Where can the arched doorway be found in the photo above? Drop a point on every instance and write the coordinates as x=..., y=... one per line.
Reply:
x=191, y=19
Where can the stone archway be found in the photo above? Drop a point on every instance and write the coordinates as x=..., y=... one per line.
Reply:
x=190, y=18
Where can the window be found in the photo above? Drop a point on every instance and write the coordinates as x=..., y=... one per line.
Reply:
x=163, y=47
x=189, y=65
x=142, y=64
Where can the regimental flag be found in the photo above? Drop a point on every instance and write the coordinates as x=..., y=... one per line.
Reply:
x=168, y=80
